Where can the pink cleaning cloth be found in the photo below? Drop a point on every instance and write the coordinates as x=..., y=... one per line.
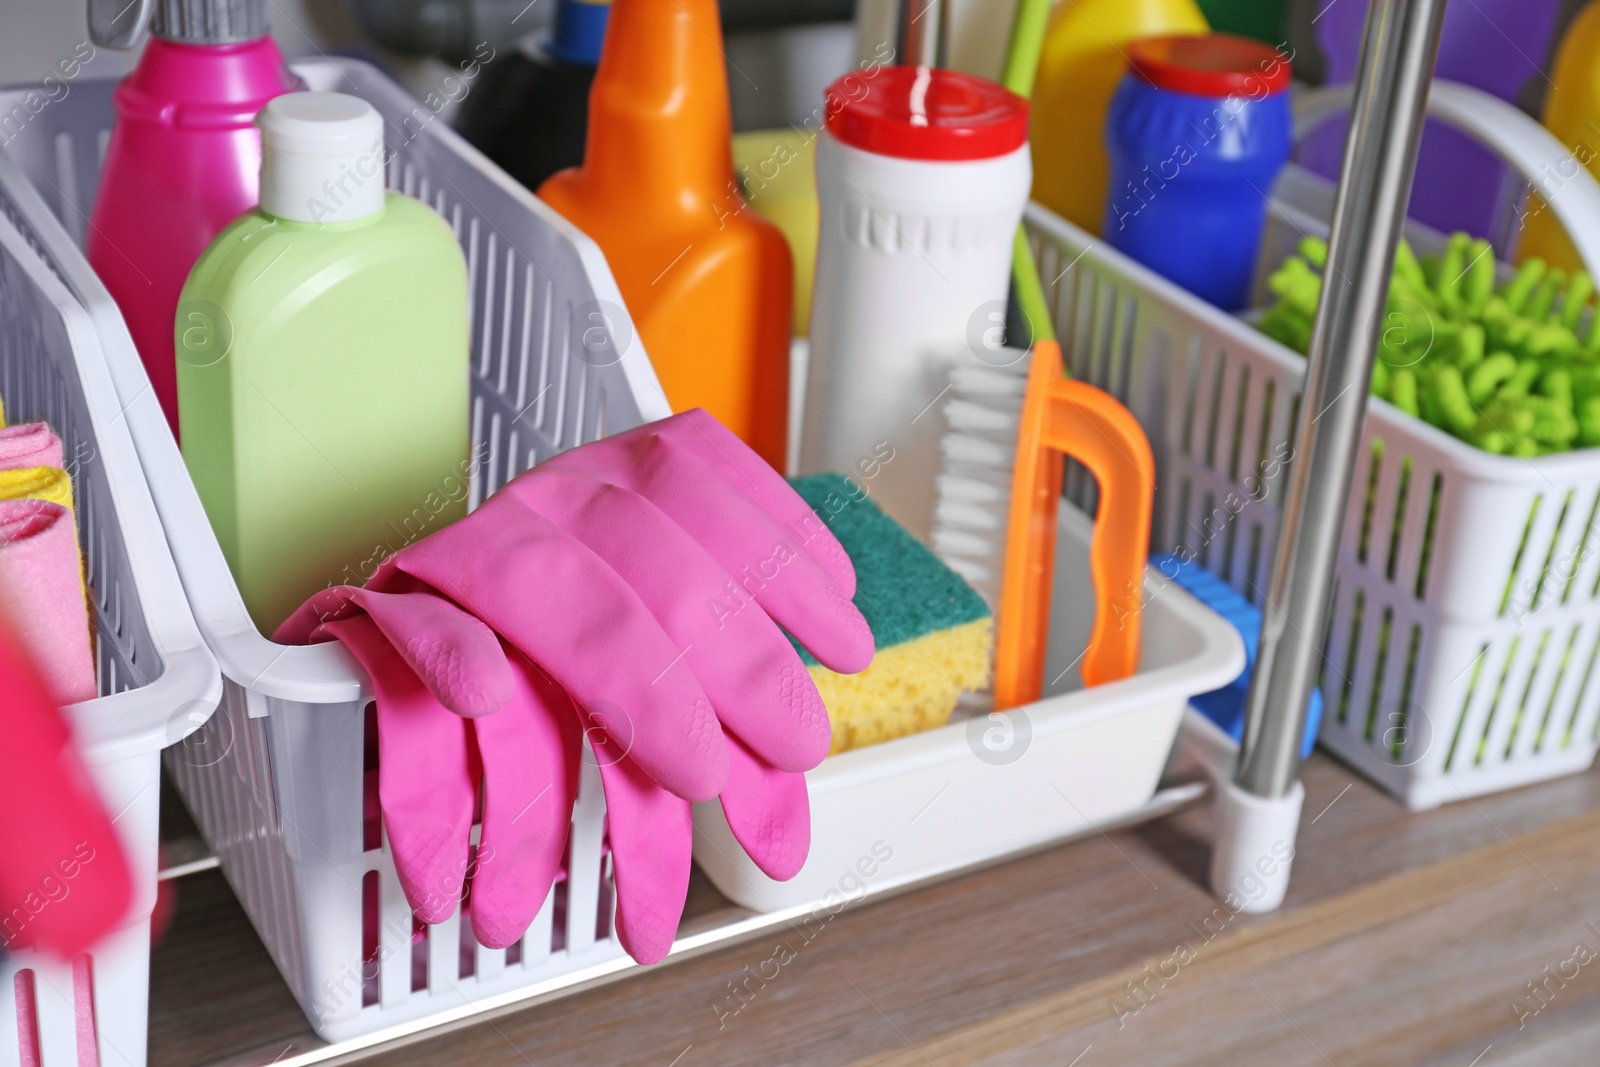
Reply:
x=42, y=592
x=29, y=444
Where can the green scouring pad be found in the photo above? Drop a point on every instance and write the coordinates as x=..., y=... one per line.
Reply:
x=934, y=634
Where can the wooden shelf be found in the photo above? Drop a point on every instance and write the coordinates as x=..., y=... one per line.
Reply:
x=1406, y=939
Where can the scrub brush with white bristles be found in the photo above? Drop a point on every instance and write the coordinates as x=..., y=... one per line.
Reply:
x=1000, y=492
x=984, y=412
x=1010, y=428
x=980, y=449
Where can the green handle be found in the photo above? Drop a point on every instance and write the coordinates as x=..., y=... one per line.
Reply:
x=1029, y=290
x=1027, y=41
x=1022, y=62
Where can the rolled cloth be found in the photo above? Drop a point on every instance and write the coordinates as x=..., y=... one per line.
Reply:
x=41, y=590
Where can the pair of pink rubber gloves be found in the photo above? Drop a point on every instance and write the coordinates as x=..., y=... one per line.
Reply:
x=629, y=592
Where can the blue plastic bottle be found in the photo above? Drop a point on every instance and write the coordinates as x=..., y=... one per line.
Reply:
x=1197, y=133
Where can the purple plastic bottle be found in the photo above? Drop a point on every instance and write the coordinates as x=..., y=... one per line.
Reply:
x=183, y=162
x=1493, y=45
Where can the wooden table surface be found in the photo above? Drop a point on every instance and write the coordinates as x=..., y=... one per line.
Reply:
x=1406, y=940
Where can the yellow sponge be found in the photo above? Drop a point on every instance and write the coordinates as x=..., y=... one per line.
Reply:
x=934, y=634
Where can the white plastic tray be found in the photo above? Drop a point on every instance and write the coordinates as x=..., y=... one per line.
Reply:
x=989, y=785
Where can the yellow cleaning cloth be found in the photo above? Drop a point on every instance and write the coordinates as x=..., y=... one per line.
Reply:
x=37, y=483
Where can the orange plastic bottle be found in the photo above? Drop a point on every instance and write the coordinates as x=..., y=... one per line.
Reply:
x=707, y=281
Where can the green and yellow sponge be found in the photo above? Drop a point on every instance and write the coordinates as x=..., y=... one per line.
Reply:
x=935, y=635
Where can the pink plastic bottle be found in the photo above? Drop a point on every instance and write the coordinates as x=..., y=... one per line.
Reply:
x=183, y=161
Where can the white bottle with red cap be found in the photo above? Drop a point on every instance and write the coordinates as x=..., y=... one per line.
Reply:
x=922, y=177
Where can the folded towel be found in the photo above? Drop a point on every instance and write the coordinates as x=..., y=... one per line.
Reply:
x=41, y=590
x=31, y=444
x=46, y=483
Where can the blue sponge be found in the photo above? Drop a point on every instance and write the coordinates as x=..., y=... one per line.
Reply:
x=1225, y=706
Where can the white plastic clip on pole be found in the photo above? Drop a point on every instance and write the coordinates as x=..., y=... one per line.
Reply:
x=1258, y=812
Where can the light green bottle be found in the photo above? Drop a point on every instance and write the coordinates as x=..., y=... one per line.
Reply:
x=323, y=373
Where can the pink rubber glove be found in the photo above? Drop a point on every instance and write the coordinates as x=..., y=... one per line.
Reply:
x=457, y=655
x=528, y=750
x=425, y=790
x=743, y=514
x=561, y=606
x=628, y=545
x=776, y=723
x=758, y=685
x=647, y=581
x=715, y=445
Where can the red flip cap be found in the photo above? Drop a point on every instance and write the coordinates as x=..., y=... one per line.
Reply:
x=1213, y=64
x=926, y=113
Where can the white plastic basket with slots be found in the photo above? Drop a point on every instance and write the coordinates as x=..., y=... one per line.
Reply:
x=158, y=682
x=283, y=796
x=1465, y=632
x=283, y=800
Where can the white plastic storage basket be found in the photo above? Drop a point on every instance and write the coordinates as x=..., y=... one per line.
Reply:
x=283, y=797
x=1465, y=632
x=988, y=785
x=159, y=683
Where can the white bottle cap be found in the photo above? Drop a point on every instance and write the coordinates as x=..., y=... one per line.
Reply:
x=321, y=158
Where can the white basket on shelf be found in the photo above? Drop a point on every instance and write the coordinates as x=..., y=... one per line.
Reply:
x=283, y=800
x=1465, y=632
x=158, y=682
x=282, y=795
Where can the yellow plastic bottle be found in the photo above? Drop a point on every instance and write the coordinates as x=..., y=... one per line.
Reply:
x=1572, y=113
x=1079, y=69
x=778, y=180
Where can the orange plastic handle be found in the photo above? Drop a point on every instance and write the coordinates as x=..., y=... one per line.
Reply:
x=1065, y=417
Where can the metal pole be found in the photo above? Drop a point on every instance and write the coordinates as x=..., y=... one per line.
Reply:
x=1380, y=154
x=923, y=33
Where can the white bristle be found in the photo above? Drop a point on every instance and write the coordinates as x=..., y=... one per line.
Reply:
x=979, y=451
x=960, y=514
x=951, y=544
x=976, y=576
x=966, y=416
x=988, y=381
x=964, y=448
x=953, y=487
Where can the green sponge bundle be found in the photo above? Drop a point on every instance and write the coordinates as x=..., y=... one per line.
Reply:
x=1504, y=370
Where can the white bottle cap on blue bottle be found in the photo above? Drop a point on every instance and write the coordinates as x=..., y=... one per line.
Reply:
x=322, y=158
